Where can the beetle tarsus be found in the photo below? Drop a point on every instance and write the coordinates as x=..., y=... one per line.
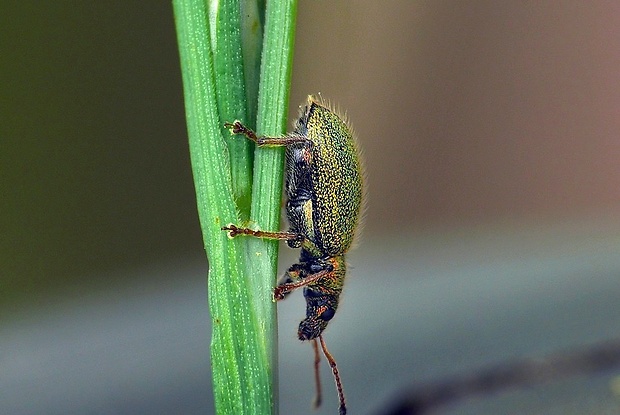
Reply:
x=238, y=128
x=232, y=230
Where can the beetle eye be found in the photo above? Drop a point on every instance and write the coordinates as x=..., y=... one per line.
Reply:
x=327, y=314
x=314, y=268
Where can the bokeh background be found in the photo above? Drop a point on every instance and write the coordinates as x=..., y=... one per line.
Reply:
x=491, y=142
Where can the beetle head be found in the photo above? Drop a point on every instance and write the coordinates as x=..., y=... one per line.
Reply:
x=311, y=327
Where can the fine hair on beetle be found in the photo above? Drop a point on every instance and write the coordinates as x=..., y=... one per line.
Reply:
x=325, y=193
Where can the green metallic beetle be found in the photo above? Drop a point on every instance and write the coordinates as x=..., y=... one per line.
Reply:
x=325, y=192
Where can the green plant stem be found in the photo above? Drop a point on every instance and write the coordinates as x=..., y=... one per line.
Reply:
x=241, y=271
x=241, y=369
x=273, y=100
x=226, y=44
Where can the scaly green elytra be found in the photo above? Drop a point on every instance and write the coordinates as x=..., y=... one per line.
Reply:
x=324, y=190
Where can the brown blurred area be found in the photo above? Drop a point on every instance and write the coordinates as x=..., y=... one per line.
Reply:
x=473, y=111
x=469, y=113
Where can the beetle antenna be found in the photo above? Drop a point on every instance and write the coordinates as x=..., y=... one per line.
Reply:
x=332, y=363
x=318, y=398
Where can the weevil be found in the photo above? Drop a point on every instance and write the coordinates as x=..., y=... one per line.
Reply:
x=324, y=201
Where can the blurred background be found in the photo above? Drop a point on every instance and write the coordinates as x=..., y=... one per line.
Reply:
x=492, y=233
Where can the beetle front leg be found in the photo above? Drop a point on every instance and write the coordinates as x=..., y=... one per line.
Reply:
x=291, y=276
x=294, y=281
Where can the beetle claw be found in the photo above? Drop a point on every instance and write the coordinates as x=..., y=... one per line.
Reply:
x=232, y=230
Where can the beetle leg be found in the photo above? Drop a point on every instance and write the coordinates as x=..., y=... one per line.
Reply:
x=233, y=231
x=238, y=128
x=281, y=290
x=292, y=275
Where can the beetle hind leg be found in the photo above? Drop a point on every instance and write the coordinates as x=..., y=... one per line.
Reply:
x=238, y=128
